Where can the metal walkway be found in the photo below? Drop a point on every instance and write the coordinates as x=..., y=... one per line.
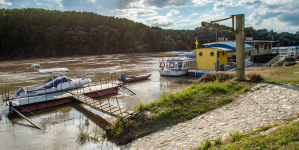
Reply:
x=105, y=107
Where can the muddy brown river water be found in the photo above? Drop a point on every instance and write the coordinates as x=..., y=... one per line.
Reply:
x=62, y=124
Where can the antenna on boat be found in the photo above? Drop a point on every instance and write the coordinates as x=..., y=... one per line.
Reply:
x=36, y=67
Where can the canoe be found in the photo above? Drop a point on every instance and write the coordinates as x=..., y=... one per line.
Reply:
x=135, y=78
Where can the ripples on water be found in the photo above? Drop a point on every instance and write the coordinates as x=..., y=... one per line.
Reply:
x=62, y=123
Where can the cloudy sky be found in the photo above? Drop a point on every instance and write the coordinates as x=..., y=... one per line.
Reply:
x=277, y=15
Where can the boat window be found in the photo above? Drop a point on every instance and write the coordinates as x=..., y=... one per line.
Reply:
x=200, y=54
x=212, y=53
x=21, y=91
x=180, y=65
x=186, y=65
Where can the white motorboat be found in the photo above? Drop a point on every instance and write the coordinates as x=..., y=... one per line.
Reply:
x=177, y=66
x=55, y=84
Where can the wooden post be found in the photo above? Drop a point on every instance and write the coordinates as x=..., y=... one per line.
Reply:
x=240, y=47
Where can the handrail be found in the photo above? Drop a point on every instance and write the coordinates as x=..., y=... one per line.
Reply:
x=274, y=60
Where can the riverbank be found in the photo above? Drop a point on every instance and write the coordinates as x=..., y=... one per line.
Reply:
x=284, y=75
x=264, y=105
x=175, y=108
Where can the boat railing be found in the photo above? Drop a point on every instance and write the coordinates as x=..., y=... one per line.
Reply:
x=5, y=95
x=275, y=60
x=219, y=66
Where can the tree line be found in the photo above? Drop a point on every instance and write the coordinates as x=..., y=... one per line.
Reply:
x=32, y=32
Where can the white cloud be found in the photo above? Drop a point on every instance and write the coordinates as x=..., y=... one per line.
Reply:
x=172, y=12
x=222, y=5
x=133, y=14
x=160, y=21
x=2, y=2
x=195, y=14
x=93, y=1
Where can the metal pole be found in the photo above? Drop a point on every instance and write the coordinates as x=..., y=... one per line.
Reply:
x=77, y=91
x=2, y=93
x=70, y=85
x=119, y=107
x=108, y=80
x=46, y=92
x=28, y=95
x=5, y=92
x=101, y=82
x=61, y=87
x=109, y=105
x=26, y=118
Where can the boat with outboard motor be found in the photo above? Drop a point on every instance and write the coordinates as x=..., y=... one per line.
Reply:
x=55, y=84
x=177, y=66
x=130, y=79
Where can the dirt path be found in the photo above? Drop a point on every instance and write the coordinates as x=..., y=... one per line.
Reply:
x=265, y=105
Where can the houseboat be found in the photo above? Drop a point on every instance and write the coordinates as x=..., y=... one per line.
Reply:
x=214, y=58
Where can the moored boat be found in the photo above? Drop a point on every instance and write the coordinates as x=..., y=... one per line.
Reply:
x=136, y=78
x=177, y=66
x=55, y=84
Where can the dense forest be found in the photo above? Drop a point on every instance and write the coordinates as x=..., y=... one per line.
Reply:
x=32, y=32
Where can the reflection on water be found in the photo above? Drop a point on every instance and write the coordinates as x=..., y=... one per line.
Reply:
x=63, y=123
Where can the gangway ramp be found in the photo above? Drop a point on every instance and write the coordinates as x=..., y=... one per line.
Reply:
x=104, y=107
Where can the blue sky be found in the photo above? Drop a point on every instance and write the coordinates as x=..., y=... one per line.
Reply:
x=277, y=15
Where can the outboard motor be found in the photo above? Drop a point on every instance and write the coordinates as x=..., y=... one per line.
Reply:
x=36, y=67
x=123, y=76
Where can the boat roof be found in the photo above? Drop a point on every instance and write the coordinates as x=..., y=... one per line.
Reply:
x=181, y=59
x=229, y=47
x=171, y=53
x=43, y=71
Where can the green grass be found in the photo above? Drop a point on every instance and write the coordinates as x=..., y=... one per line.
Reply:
x=288, y=76
x=206, y=145
x=189, y=103
x=286, y=137
x=174, y=108
x=218, y=141
x=84, y=137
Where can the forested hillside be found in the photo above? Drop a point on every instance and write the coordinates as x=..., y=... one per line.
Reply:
x=35, y=32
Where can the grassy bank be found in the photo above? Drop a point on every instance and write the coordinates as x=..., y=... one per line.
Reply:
x=175, y=108
x=288, y=75
x=286, y=136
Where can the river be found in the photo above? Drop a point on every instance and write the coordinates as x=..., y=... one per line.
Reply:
x=62, y=123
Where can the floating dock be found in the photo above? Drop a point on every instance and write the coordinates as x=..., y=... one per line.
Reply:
x=83, y=94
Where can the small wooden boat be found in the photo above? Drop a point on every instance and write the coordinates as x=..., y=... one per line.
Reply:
x=134, y=78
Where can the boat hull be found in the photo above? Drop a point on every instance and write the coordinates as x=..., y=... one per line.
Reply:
x=135, y=78
x=174, y=73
